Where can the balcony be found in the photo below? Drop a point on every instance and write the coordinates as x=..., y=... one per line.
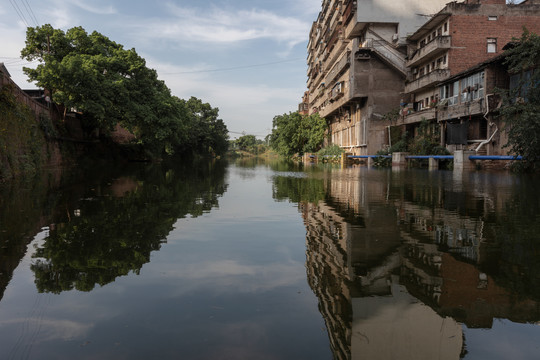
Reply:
x=429, y=80
x=463, y=110
x=417, y=116
x=433, y=49
x=339, y=67
x=338, y=101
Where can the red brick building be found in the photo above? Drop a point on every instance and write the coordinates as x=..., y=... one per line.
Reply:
x=446, y=83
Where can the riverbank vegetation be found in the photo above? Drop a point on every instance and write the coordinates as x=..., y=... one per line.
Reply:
x=296, y=134
x=108, y=85
x=521, y=104
x=425, y=142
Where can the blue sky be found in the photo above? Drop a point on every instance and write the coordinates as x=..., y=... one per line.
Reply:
x=248, y=58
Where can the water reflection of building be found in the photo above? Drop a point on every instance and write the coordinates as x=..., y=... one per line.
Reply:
x=397, y=264
x=443, y=254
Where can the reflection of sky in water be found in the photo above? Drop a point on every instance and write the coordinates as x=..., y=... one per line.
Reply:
x=505, y=340
x=228, y=284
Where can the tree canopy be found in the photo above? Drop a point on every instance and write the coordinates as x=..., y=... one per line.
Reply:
x=111, y=85
x=521, y=109
x=294, y=133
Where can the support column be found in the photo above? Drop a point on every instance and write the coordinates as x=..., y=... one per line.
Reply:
x=370, y=162
x=345, y=160
x=462, y=162
x=399, y=160
x=433, y=164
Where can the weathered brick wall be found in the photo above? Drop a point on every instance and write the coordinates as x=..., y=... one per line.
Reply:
x=470, y=28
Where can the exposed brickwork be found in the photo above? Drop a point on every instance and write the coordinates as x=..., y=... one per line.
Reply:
x=471, y=28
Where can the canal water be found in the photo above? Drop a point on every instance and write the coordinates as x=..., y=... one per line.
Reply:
x=269, y=260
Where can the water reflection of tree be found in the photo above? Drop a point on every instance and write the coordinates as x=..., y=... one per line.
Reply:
x=513, y=250
x=108, y=235
x=25, y=203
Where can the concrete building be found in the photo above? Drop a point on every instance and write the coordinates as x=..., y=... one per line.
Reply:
x=357, y=66
x=452, y=74
x=368, y=58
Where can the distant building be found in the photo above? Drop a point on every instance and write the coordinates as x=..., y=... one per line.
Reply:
x=303, y=107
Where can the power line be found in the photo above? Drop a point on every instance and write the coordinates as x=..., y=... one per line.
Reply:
x=30, y=12
x=19, y=12
x=233, y=68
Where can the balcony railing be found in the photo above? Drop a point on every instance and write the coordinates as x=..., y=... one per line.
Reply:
x=432, y=49
x=418, y=116
x=338, y=67
x=431, y=79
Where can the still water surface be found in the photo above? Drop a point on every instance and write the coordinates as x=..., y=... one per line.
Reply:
x=253, y=260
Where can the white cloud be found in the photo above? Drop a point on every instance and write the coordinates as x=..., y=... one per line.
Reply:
x=96, y=9
x=229, y=275
x=215, y=25
x=239, y=103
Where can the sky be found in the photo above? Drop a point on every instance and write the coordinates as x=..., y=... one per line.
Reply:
x=247, y=58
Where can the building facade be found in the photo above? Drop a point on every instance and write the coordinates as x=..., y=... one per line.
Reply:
x=367, y=59
x=357, y=66
x=453, y=76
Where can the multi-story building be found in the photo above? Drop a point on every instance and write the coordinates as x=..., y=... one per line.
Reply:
x=357, y=66
x=453, y=73
x=368, y=58
x=303, y=107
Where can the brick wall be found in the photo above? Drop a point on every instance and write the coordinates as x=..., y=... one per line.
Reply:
x=471, y=28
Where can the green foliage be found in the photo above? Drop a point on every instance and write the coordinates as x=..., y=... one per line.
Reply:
x=294, y=133
x=427, y=140
x=208, y=133
x=111, y=85
x=331, y=150
x=22, y=143
x=298, y=189
x=521, y=107
x=119, y=228
x=246, y=142
x=392, y=115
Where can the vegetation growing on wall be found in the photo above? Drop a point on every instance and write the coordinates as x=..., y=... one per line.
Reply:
x=521, y=109
x=22, y=142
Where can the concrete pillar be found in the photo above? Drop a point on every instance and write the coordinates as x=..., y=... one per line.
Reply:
x=433, y=164
x=370, y=162
x=345, y=160
x=399, y=160
x=461, y=160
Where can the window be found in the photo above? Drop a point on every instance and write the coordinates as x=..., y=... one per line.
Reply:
x=491, y=45
x=450, y=92
x=445, y=27
x=472, y=87
x=492, y=18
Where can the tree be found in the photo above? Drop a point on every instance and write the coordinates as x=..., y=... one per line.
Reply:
x=294, y=133
x=246, y=142
x=208, y=133
x=521, y=109
x=111, y=85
